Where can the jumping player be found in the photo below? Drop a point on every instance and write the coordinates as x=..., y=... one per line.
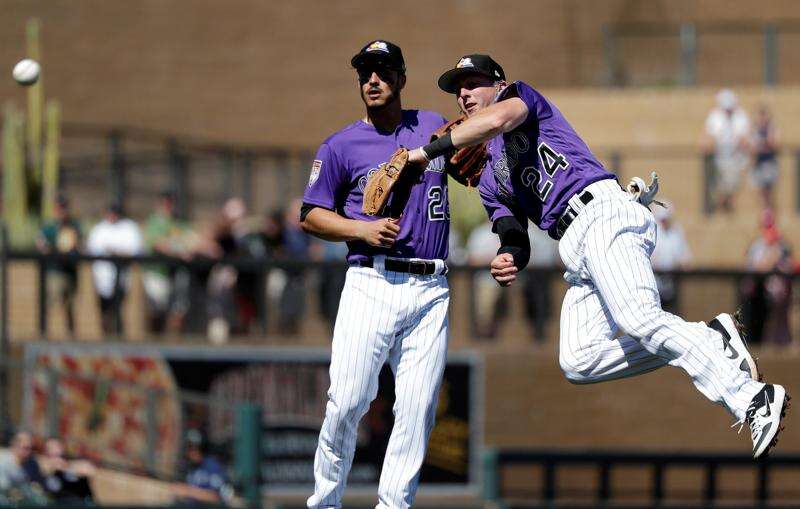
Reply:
x=394, y=303
x=539, y=169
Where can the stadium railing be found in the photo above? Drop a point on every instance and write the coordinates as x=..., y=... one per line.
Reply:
x=721, y=286
x=604, y=463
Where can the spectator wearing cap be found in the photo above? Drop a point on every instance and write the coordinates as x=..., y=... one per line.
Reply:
x=61, y=236
x=670, y=254
x=765, y=167
x=727, y=138
x=166, y=287
x=206, y=480
x=767, y=295
x=115, y=235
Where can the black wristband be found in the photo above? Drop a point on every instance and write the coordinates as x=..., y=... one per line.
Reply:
x=514, y=240
x=439, y=147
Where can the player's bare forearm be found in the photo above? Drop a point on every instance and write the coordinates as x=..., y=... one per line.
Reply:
x=483, y=126
x=328, y=225
x=496, y=119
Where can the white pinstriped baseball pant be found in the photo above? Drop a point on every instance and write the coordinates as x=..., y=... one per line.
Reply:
x=383, y=315
x=606, y=251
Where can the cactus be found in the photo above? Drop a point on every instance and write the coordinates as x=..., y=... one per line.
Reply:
x=35, y=101
x=30, y=172
x=15, y=186
x=50, y=164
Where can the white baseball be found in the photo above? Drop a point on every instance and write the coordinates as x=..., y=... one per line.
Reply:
x=26, y=72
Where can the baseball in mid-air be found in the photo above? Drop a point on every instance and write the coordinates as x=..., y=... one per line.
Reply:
x=26, y=72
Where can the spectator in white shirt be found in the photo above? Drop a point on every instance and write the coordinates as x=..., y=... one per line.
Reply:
x=115, y=235
x=670, y=254
x=727, y=137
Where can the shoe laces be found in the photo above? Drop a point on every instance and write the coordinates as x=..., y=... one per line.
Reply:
x=751, y=418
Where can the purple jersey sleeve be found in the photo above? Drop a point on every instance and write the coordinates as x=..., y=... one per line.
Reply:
x=326, y=179
x=490, y=196
x=538, y=108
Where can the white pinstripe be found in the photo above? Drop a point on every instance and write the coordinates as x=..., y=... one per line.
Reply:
x=383, y=315
x=607, y=252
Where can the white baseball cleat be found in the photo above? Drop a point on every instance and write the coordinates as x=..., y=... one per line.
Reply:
x=764, y=416
x=734, y=344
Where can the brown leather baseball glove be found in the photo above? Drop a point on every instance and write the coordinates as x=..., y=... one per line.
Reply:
x=466, y=164
x=379, y=185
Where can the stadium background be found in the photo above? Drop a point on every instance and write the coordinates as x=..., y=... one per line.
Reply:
x=254, y=77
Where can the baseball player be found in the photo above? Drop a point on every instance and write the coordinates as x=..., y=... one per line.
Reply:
x=394, y=303
x=539, y=169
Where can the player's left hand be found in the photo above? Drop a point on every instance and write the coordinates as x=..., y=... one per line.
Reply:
x=503, y=269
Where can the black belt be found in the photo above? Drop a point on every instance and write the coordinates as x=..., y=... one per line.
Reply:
x=420, y=268
x=570, y=214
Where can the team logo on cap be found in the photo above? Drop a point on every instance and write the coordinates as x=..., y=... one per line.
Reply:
x=465, y=62
x=378, y=46
x=315, y=169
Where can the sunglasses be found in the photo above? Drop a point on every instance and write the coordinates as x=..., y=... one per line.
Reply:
x=384, y=73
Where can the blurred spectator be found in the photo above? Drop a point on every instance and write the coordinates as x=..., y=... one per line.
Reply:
x=62, y=235
x=206, y=481
x=297, y=248
x=766, y=297
x=331, y=277
x=20, y=478
x=65, y=480
x=274, y=279
x=166, y=287
x=765, y=167
x=488, y=299
x=727, y=135
x=115, y=235
x=235, y=295
x=221, y=242
x=537, y=280
x=273, y=234
x=670, y=254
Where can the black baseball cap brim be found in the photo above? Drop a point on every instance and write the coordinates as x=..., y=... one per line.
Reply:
x=380, y=52
x=478, y=64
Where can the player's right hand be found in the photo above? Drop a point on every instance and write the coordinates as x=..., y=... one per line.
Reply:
x=380, y=233
x=503, y=269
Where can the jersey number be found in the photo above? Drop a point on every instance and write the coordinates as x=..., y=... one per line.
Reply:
x=437, y=204
x=533, y=177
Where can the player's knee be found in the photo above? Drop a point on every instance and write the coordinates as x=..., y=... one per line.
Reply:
x=575, y=371
x=638, y=321
x=347, y=409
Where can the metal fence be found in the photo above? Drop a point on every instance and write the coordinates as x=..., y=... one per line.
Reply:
x=711, y=52
x=130, y=166
x=480, y=310
x=603, y=464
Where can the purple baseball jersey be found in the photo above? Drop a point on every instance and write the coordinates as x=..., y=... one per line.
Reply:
x=346, y=159
x=537, y=167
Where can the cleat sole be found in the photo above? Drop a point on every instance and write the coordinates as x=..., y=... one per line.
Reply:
x=787, y=404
